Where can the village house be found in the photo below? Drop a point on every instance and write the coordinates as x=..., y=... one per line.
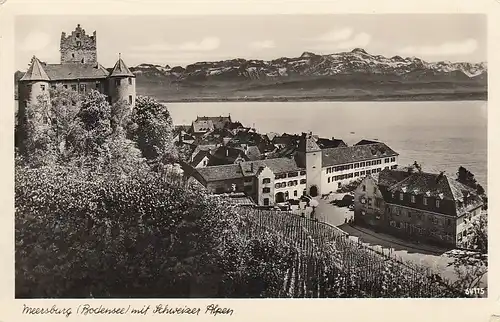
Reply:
x=78, y=70
x=267, y=181
x=422, y=206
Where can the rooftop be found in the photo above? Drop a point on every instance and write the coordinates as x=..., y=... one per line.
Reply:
x=247, y=169
x=75, y=71
x=356, y=153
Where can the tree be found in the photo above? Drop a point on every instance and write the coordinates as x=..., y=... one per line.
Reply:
x=77, y=130
x=151, y=128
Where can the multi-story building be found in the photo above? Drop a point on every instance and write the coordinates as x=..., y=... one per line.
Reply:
x=78, y=70
x=311, y=170
x=268, y=181
x=417, y=205
x=330, y=168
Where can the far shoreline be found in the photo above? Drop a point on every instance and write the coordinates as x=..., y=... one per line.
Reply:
x=382, y=98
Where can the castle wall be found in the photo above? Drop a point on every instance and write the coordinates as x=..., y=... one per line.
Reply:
x=83, y=86
x=122, y=88
x=30, y=91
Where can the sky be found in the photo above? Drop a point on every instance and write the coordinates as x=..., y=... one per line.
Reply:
x=182, y=40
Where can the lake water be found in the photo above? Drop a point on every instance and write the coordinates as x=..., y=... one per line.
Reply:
x=439, y=135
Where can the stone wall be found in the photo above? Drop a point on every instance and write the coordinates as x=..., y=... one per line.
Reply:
x=78, y=47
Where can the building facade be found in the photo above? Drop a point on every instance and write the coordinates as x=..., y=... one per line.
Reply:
x=416, y=205
x=311, y=171
x=78, y=70
x=329, y=169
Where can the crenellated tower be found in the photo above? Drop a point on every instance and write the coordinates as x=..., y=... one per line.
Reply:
x=78, y=47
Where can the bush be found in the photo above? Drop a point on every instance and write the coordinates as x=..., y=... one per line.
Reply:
x=80, y=233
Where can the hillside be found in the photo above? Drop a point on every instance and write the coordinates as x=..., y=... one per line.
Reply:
x=354, y=75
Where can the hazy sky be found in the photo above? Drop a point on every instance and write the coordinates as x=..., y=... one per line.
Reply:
x=181, y=40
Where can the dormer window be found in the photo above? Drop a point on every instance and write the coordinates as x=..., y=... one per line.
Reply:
x=78, y=43
x=401, y=196
x=413, y=199
x=130, y=80
x=437, y=203
x=425, y=201
x=77, y=35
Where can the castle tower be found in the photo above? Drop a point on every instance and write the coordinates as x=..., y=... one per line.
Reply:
x=34, y=85
x=122, y=84
x=78, y=47
x=310, y=157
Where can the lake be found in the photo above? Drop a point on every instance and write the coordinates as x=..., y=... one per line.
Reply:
x=441, y=136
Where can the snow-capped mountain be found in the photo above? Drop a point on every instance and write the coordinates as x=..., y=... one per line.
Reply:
x=354, y=63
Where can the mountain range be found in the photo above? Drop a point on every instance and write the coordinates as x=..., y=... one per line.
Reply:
x=353, y=75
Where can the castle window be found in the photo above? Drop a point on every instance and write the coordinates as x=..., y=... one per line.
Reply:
x=266, y=201
x=266, y=190
x=73, y=87
x=53, y=86
x=302, y=173
x=425, y=201
x=72, y=55
x=65, y=86
x=266, y=180
x=328, y=180
x=78, y=43
x=77, y=35
x=42, y=87
x=364, y=188
x=437, y=203
x=25, y=103
x=117, y=82
x=295, y=194
x=413, y=199
x=302, y=181
x=356, y=174
x=130, y=99
x=401, y=196
x=83, y=88
x=130, y=80
x=83, y=60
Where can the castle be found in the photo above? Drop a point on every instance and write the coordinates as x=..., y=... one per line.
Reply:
x=78, y=70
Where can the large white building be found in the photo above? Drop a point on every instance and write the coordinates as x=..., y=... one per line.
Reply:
x=312, y=171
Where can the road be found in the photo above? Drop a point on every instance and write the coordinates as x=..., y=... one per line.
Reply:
x=435, y=258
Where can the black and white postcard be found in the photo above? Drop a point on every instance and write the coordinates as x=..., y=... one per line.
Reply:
x=182, y=160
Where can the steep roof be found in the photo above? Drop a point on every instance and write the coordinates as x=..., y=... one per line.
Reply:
x=364, y=142
x=333, y=143
x=203, y=126
x=356, y=153
x=307, y=143
x=199, y=156
x=75, y=71
x=253, y=152
x=219, y=122
x=247, y=169
x=388, y=177
x=36, y=72
x=121, y=70
x=432, y=185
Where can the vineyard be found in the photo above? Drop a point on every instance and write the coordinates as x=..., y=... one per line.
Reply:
x=326, y=263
